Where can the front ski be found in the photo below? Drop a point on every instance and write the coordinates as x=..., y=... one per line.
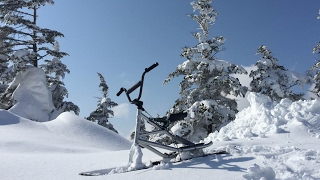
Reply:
x=126, y=168
x=117, y=170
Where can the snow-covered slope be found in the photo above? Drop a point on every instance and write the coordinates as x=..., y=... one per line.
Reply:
x=267, y=141
x=66, y=134
x=284, y=136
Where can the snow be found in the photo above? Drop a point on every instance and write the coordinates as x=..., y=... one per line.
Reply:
x=56, y=46
x=68, y=133
x=32, y=95
x=182, y=129
x=21, y=53
x=135, y=157
x=266, y=141
x=3, y=57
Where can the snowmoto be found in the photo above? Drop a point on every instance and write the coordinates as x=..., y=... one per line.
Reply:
x=184, y=149
x=160, y=125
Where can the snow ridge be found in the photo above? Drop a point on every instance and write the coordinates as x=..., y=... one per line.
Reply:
x=264, y=117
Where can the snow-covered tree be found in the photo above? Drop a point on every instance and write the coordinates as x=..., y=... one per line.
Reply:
x=274, y=80
x=23, y=43
x=5, y=73
x=22, y=35
x=206, y=80
x=3, y=79
x=102, y=114
x=314, y=71
x=55, y=71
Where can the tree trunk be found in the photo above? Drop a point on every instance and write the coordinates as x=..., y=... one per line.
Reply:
x=34, y=46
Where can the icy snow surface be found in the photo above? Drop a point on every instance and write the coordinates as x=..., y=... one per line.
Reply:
x=267, y=141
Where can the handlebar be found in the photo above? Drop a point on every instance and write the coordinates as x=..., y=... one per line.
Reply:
x=120, y=91
x=151, y=67
x=138, y=84
x=134, y=87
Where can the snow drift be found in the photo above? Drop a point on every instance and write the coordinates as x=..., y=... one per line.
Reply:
x=68, y=133
x=284, y=136
x=264, y=117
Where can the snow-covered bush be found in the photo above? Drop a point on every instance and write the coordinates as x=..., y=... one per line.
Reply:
x=207, y=81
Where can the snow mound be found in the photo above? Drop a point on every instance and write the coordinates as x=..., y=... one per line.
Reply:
x=264, y=117
x=67, y=134
x=283, y=136
x=32, y=95
x=257, y=173
x=68, y=125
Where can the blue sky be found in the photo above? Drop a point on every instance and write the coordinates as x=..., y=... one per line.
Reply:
x=121, y=38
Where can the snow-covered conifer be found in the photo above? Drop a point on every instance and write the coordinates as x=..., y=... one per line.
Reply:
x=22, y=35
x=5, y=75
x=55, y=71
x=3, y=69
x=102, y=114
x=314, y=71
x=274, y=80
x=206, y=80
x=24, y=44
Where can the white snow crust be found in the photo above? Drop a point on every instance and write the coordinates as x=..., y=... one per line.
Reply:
x=267, y=141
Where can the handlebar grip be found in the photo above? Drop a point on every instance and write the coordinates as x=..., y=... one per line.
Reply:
x=120, y=91
x=151, y=67
x=134, y=87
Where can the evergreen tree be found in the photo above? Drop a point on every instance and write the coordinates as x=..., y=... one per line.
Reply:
x=21, y=33
x=207, y=81
x=316, y=68
x=55, y=71
x=5, y=73
x=24, y=44
x=274, y=80
x=102, y=114
x=4, y=81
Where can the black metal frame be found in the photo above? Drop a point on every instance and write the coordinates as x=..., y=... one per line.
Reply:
x=140, y=137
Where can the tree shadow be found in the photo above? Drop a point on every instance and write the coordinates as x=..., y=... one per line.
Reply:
x=7, y=118
x=220, y=161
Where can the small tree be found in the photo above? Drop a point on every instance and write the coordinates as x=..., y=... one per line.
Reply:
x=102, y=114
x=274, y=80
x=207, y=81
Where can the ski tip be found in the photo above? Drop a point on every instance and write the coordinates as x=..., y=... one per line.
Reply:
x=85, y=174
